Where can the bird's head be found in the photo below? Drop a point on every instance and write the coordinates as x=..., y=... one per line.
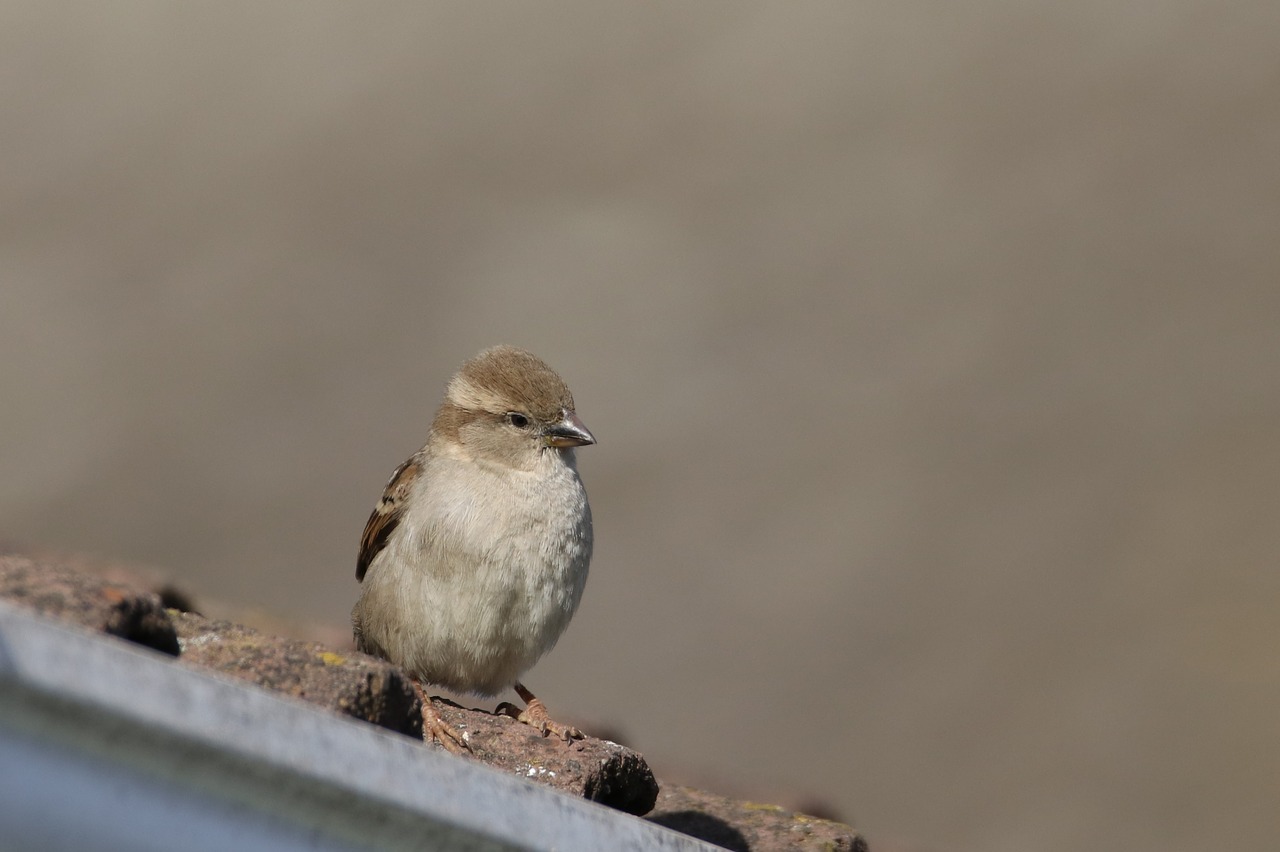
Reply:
x=507, y=406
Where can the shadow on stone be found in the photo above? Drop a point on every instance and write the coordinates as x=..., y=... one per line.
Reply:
x=704, y=827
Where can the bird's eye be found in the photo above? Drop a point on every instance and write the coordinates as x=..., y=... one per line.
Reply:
x=516, y=419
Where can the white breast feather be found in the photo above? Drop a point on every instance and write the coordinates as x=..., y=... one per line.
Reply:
x=489, y=583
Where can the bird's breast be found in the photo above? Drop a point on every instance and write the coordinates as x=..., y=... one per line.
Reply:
x=487, y=570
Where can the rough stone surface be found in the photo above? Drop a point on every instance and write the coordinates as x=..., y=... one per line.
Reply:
x=595, y=769
x=349, y=683
x=747, y=826
x=52, y=588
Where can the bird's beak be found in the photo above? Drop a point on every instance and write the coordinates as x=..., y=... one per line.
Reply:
x=569, y=431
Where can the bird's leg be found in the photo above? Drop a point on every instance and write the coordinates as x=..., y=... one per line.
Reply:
x=535, y=715
x=435, y=729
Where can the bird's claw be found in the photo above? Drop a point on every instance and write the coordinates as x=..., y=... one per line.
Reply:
x=437, y=730
x=535, y=716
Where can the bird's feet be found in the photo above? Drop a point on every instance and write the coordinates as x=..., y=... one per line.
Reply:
x=435, y=729
x=535, y=715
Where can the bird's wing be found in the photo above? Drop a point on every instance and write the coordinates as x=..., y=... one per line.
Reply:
x=386, y=515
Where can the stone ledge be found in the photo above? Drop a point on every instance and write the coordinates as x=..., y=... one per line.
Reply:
x=352, y=684
x=595, y=769
x=131, y=612
x=129, y=605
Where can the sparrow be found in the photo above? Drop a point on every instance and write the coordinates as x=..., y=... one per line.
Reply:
x=474, y=560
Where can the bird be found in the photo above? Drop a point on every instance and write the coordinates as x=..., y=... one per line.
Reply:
x=474, y=560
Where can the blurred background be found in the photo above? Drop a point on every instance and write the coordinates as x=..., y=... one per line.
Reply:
x=932, y=351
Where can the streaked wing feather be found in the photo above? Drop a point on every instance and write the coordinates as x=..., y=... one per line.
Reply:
x=386, y=515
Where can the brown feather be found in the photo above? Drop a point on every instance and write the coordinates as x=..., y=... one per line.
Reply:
x=520, y=377
x=386, y=515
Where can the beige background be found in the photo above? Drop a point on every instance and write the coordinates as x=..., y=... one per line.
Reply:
x=932, y=349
